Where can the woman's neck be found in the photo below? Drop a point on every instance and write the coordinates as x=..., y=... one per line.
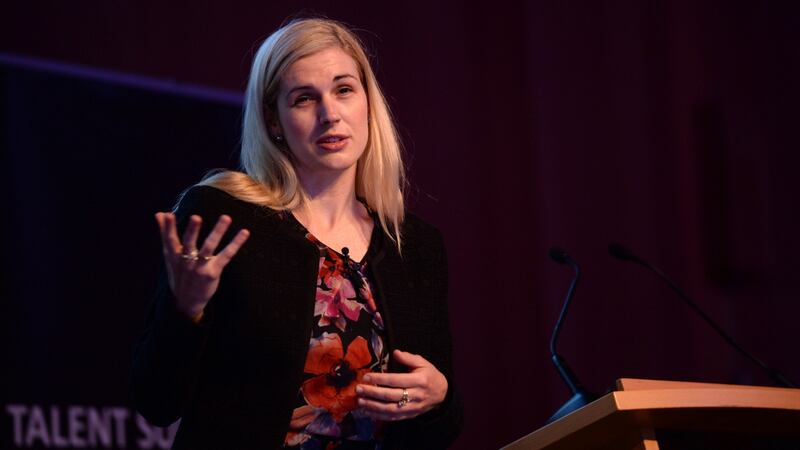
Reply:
x=330, y=202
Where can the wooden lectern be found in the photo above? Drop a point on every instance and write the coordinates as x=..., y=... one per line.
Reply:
x=665, y=415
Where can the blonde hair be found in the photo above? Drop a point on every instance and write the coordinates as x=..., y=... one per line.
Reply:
x=269, y=177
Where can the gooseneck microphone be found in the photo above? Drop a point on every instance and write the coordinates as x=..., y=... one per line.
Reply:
x=580, y=397
x=622, y=253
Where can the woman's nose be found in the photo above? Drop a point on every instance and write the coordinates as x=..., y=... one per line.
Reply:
x=328, y=112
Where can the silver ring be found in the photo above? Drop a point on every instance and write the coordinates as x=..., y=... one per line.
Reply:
x=404, y=399
x=191, y=256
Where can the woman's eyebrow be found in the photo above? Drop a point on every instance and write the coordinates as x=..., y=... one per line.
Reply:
x=308, y=86
x=298, y=88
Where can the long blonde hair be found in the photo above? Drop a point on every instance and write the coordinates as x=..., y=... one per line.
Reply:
x=269, y=177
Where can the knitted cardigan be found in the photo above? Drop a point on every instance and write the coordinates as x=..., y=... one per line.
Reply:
x=233, y=378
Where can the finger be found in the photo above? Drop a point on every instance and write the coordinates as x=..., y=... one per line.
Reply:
x=212, y=241
x=387, y=417
x=410, y=359
x=227, y=253
x=397, y=380
x=392, y=410
x=169, y=235
x=172, y=230
x=161, y=227
x=191, y=233
x=382, y=393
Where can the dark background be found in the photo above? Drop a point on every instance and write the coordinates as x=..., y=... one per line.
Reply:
x=670, y=126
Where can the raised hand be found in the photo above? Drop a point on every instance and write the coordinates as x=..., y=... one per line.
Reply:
x=398, y=396
x=194, y=274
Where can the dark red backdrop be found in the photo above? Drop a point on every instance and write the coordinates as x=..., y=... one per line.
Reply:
x=669, y=126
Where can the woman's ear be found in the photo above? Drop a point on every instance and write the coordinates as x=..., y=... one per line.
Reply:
x=276, y=132
x=273, y=124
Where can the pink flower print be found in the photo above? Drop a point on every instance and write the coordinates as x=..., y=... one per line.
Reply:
x=335, y=304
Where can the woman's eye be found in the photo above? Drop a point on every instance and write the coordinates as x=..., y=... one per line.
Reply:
x=301, y=99
x=345, y=90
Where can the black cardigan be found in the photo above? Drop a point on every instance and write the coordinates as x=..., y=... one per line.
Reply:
x=233, y=378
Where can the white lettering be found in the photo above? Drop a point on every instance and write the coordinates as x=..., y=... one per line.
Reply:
x=172, y=430
x=76, y=424
x=16, y=412
x=153, y=436
x=55, y=428
x=146, y=441
x=37, y=428
x=120, y=416
x=99, y=427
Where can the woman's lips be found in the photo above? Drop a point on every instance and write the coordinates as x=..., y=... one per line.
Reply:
x=333, y=143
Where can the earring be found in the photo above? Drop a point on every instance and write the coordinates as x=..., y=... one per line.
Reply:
x=279, y=139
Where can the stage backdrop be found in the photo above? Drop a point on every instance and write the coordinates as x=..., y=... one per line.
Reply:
x=667, y=126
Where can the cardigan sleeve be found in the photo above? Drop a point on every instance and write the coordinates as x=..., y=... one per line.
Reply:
x=167, y=356
x=443, y=424
x=438, y=428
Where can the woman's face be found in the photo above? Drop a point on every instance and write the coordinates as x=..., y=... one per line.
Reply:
x=322, y=113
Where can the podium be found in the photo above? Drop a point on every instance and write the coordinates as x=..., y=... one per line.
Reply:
x=666, y=415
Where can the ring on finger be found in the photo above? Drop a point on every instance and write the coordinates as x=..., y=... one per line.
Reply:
x=404, y=399
x=191, y=256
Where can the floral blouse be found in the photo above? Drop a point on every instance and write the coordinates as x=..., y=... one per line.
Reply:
x=347, y=341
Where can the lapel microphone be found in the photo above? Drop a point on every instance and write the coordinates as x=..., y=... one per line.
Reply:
x=346, y=254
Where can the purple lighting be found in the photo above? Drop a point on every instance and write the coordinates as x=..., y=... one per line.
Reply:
x=123, y=79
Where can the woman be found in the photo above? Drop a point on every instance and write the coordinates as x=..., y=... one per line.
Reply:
x=312, y=240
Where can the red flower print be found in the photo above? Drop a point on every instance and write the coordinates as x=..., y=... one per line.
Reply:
x=337, y=374
x=330, y=266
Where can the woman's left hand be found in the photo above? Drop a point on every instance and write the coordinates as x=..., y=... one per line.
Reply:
x=382, y=397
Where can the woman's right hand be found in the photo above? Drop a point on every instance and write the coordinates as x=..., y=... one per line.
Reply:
x=194, y=273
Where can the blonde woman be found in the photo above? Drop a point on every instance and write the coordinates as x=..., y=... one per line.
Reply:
x=301, y=306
